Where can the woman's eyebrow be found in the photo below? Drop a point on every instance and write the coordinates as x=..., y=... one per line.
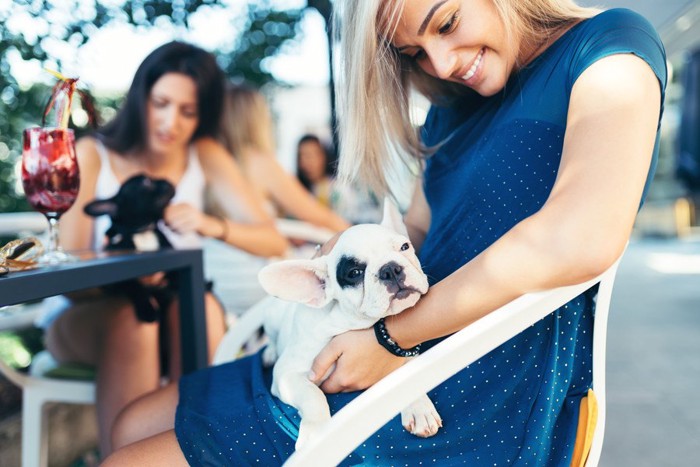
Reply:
x=429, y=16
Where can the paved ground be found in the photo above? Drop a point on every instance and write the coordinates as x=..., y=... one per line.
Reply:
x=654, y=357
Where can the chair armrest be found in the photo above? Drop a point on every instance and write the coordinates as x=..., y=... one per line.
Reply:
x=303, y=231
x=380, y=403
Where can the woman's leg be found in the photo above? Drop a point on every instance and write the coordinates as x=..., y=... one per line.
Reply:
x=128, y=368
x=145, y=417
x=160, y=450
x=104, y=332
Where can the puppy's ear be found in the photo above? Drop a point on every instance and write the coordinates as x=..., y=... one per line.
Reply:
x=301, y=281
x=99, y=207
x=392, y=218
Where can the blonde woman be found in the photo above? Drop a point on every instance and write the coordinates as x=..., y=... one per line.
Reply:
x=247, y=132
x=538, y=150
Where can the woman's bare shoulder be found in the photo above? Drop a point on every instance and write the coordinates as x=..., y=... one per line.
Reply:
x=88, y=153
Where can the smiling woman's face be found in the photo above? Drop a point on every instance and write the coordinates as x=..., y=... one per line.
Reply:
x=463, y=41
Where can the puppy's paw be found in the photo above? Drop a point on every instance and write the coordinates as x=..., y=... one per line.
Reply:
x=421, y=418
x=269, y=356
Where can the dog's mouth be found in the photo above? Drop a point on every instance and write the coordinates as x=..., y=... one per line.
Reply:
x=405, y=292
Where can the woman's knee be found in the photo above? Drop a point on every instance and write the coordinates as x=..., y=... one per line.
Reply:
x=146, y=417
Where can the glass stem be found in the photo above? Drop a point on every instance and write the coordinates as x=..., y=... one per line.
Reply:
x=53, y=233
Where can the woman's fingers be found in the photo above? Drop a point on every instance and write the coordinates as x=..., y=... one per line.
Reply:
x=324, y=364
x=182, y=218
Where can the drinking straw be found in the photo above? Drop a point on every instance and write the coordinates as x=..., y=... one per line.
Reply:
x=62, y=97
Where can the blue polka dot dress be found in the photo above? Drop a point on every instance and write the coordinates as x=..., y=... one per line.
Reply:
x=518, y=405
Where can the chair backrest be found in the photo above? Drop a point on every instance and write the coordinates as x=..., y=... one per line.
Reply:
x=16, y=222
x=233, y=343
x=353, y=424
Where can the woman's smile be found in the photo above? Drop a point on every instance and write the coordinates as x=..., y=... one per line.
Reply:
x=471, y=75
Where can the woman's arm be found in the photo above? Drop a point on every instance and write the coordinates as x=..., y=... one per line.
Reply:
x=418, y=216
x=76, y=227
x=581, y=229
x=247, y=225
x=290, y=195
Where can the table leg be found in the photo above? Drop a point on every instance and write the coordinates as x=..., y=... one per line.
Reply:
x=192, y=316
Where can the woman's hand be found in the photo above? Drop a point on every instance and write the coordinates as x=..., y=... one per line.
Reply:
x=184, y=218
x=359, y=362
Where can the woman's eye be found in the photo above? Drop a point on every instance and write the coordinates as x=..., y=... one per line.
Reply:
x=405, y=246
x=450, y=24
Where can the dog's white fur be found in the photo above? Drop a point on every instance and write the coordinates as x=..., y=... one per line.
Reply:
x=329, y=295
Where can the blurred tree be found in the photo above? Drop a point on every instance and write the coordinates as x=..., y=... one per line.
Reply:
x=266, y=31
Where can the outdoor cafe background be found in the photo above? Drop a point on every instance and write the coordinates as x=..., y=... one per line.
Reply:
x=281, y=46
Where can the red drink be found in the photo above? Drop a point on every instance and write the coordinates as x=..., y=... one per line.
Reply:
x=50, y=173
x=51, y=179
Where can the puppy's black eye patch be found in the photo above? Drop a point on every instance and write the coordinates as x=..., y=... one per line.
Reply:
x=350, y=272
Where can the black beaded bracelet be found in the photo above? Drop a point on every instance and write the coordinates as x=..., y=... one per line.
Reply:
x=388, y=343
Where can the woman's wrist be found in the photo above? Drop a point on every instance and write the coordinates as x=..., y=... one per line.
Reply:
x=221, y=231
x=385, y=339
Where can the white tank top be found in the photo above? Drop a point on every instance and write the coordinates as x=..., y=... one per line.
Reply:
x=189, y=190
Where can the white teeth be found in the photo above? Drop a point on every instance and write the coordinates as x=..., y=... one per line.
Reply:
x=473, y=68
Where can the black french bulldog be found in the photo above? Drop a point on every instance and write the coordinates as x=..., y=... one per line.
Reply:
x=135, y=211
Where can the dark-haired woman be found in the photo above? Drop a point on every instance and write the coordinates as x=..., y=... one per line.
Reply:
x=164, y=129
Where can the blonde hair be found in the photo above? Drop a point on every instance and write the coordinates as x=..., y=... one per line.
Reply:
x=374, y=80
x=246, y=121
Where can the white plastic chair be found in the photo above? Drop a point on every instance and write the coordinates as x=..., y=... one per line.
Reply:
x=352, y=425
x=36, y=392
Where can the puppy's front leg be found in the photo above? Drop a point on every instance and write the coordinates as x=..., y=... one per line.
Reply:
x=421, y=418
x=296, y=390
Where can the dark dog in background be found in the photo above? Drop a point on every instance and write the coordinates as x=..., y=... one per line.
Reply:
x=135, y=211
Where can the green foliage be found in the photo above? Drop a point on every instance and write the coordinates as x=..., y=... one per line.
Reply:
x=17, y=347
x=265, y=32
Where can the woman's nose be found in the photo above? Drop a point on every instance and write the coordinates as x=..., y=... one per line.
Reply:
x=442, y=60
x=170, y=118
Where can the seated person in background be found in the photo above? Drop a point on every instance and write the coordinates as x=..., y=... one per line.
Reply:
x=314, y=168
x=315, y=172
x=164, y=129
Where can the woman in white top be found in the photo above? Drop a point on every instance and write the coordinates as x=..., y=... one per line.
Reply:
x=165, y=130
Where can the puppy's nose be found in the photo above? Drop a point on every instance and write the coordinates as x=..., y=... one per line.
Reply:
x=391, y=272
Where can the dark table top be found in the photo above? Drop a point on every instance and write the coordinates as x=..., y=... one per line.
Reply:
x=94, y=269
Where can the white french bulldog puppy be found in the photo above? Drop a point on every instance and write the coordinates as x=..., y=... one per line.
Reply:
x=371, y=272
